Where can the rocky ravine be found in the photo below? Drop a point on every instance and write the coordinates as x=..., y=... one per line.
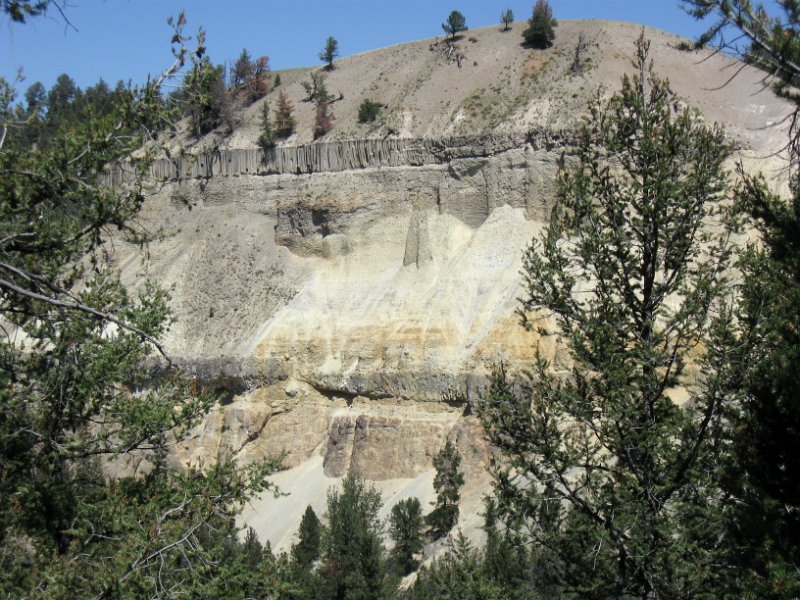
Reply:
x=336, y=290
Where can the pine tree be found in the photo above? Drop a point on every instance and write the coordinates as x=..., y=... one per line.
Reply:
x=507, y=17
x=541, y=26
x=75, y=393
x=315, y=88
x=207, y=101
x=307, y=548
x=762, y=475
x=284, y=121
x=457, y=575
x=329, y=53
x=447, y=484
x=455, y=24
x=258, y=85
x=599, y=466
x=405, y=529
x=252, y=550
x=242, y=70
x=353, y=564
x=268, y=135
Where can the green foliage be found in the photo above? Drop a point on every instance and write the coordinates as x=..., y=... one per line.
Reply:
x=405, y=529
x=250, y=78
x=541, y=26
x=771, y=42
x=284, y=121
x=74, y=391
x=36, y=99
x=302, y=581
x=506, y=18
x=458, y=574
x=455, y=24
x=122, y=535
x=48, y=115
x=207, y=101
x=761, y=489
x=242, y=70
x=599, y=466
x=315, y=88
x=353, y=565
x=447, y=484
x=268, y=136
x=368, y=111
x=277, y=80
x=20, y=11
x=763, y=475
x=507, y=560
x=329, y=52
x=307, y=549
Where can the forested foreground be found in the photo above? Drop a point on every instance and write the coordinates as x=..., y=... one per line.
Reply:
x=604, y=487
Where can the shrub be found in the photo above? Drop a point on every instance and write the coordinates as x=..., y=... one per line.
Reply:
x=368, y=111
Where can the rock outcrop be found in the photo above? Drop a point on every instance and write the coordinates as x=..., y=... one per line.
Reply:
x=350, y=296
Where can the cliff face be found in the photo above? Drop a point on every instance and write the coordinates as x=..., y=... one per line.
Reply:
x=350, y=296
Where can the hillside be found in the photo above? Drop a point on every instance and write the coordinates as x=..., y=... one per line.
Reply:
x=503, y=88
x=336, y=294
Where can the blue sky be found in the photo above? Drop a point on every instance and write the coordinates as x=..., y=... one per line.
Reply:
x=127, y=39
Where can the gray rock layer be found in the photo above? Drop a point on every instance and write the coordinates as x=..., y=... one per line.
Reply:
x=335, y=156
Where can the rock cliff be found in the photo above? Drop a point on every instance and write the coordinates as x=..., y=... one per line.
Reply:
x=349, y=296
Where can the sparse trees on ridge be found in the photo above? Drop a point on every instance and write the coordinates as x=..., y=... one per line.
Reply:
x=455, y=24
x=329, y=52
x=507, y=17
x=315, y=88
x=242, y=69
x=541, y=26
x=250, y=77
x=207, y=101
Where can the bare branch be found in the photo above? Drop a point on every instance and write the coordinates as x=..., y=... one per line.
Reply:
x=88, y=310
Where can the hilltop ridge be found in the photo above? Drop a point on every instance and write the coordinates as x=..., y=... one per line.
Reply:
x=501, y=87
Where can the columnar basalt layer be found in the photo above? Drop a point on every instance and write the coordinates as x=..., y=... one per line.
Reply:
x=340, y=155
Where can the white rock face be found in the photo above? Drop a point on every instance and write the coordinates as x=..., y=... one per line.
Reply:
x=337, y=290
